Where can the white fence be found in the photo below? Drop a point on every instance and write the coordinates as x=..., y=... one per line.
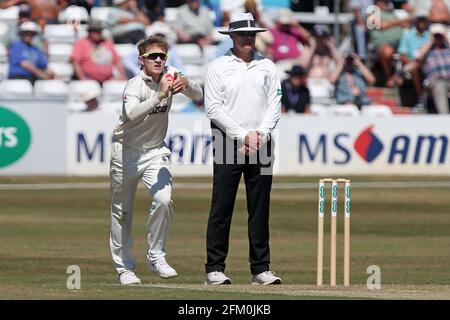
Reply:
x=80, y=143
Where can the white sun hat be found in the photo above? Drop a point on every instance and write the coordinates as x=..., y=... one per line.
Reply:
x=30, y=26
x=242, y=22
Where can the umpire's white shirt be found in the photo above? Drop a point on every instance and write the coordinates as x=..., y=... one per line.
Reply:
x=241, y=97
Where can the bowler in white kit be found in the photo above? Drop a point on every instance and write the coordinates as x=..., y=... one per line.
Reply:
x=140, y=153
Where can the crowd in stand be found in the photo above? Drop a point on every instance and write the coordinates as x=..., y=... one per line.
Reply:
x=407, y=40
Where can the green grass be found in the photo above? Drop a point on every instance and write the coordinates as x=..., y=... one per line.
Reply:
x=406, y=232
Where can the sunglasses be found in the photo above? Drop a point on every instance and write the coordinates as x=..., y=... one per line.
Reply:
x=246, y=33
x=154, y=56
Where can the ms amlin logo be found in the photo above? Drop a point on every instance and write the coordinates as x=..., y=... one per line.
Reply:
x=395, y=148
x=15, y=137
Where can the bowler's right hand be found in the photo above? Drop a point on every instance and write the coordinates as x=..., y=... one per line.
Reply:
x=166, y=84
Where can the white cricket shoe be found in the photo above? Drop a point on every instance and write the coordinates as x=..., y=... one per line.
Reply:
x=164, y=270
x=266, y=277
x=128, y=277
x=217, y=277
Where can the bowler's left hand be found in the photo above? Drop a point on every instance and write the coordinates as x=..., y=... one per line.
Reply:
x=179, y=84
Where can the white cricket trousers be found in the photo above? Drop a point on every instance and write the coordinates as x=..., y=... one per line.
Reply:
x=127, y=167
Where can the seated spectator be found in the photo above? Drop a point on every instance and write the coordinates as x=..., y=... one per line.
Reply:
x=131, y=61
x=127, y=22
x=194, y=24
x=435, y=55
x=13, y=33
x=350, y=77
x=94, y=57
x=385, y=40
x=438, y=11
x=322, y=56
x=215, y=8
x=5, y=4
x=295, y=94
x=286, y=34
x=229, y=7
x=263, y=39
x=45, y=11
x=359, y=29
x=154, y=9
x=410, y=43
x=91, y=99
x=25, y=60
x=87, y=4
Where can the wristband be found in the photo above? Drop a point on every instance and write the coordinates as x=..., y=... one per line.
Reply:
x=162, y=95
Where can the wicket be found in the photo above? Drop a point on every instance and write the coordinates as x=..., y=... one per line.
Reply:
x=321, y=213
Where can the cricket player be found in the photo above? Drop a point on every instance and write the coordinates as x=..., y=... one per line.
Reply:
x=140, y=153
x=242, y=100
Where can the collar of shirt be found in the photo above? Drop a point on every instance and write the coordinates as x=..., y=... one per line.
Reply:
x=146, y=77
x=232, y=57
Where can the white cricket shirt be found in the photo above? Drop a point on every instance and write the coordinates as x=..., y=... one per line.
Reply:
x=240, y=97
x=144, y=119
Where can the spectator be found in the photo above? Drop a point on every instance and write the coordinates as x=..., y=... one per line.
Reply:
x=350, y=77
x=286, y=34
x=154, y=9
x=94, y=57
x=217, y=13
x=194, y=24
x=359, y=8
x=323, y=55
x=4, y=4
x=229, y=7
x=127, y=22
x=385, y=40
x=13, y=31
x=435, y=55
x=87, y=4
x=45, y=11
x=25, y=60
x=295, y=94
x=91, y=99
x=163, y=30
x=263, y=39
x=438, y=11
x=410, y=43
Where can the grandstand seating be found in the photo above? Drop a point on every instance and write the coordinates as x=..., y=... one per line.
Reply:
x=318, y=110
x=78, y=87
x=189, y=53
x=10, y=14
x=3, y=53
x=170, y=15
x=3, y=29
x=344, y=110
x=195, y=72
x=100, y=13
x=59, y=52
x=13, y=88
x=113, y=90
x=50, y=89
x=376, y=111
x=61, y=33
x=63, y=70
x=321, y=90
x=74, y=14
x=4, y=67
x=124, y=49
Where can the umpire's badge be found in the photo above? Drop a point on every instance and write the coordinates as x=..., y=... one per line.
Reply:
x=266, y=80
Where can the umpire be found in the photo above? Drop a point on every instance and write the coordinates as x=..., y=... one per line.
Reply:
x=242, y=100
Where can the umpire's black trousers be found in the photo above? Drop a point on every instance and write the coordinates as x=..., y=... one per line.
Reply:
x=229, y=166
